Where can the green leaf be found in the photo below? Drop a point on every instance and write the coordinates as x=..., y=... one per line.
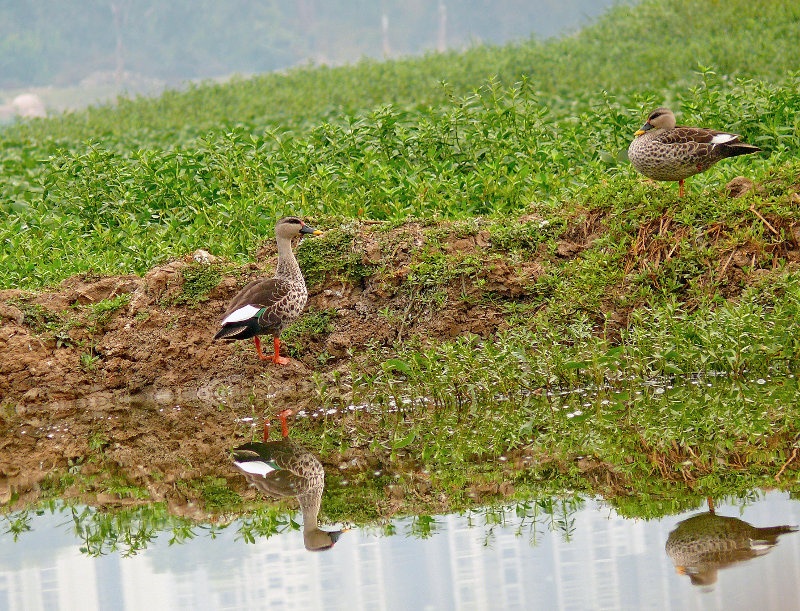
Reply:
x=398, y=365
x=405, y=441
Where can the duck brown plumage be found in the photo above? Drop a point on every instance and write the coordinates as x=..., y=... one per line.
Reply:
x=662, y=150
x=284, y=468
x=268, y=305
x=701, y=545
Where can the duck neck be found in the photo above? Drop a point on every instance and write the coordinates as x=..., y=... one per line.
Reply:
x=287, y=264
x=309, y=505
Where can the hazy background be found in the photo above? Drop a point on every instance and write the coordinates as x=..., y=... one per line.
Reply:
x=72, y=53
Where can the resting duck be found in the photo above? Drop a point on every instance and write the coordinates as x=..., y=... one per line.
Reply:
x=282, y=469
x=701, y=545
x=663, y=151
x=268, y=305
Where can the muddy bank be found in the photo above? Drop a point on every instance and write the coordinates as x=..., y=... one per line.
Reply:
x=54, y=348
x=145, y=386
x=124, y=367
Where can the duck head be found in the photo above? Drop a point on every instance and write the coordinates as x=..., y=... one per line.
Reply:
x=291, y=226
x=317, y=540
x=660, y=118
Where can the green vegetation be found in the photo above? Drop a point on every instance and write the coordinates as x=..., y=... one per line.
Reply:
x=313, y=323
x=103, y=310
x=92, y=317
x=38, y=317
x=89, y=361
x=524, y=128
x=332, y=254
x=198, y=280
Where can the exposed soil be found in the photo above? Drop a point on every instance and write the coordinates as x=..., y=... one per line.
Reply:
x=145, y=384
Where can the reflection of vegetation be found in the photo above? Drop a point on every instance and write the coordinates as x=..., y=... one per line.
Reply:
x=132, y=530
x=102, y=533
x=216, y=495
x=126, y=531
x=530, y=518
x=422, y=527
x=650, y=449
x=265, y=522
x=18, y=523
x=491, y=431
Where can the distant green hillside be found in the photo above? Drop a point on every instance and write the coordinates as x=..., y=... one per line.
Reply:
x=51, y=42
x=525, y=127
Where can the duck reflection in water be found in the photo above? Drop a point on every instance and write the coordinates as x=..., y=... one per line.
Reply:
x=283, y=469
x=701, y=545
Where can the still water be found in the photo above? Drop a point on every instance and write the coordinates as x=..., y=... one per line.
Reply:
x=591, y=558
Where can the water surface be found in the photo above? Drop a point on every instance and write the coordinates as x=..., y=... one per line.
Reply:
x=580, y=556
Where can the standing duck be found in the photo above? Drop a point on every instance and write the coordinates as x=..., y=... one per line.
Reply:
x=282, y=469
x=663, y=151
x=268, y=305
x=701, y=545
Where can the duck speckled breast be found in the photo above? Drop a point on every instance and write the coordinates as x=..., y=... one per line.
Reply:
x=288, y=300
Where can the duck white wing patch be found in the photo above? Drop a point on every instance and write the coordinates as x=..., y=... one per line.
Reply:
x=243, y=313
x=256, y=467
x=723, y=138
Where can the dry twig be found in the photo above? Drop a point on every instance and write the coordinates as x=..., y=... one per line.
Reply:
x=725, y=267
x=786, y=464
x=763, y=220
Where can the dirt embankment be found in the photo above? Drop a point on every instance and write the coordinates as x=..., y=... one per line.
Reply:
x=54, y=348
x=145, y=385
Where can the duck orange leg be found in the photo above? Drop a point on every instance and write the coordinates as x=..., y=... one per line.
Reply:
x=258, y=349
x=284, y=427
x=277, y=358
x=680, y=188
x=266, y=431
